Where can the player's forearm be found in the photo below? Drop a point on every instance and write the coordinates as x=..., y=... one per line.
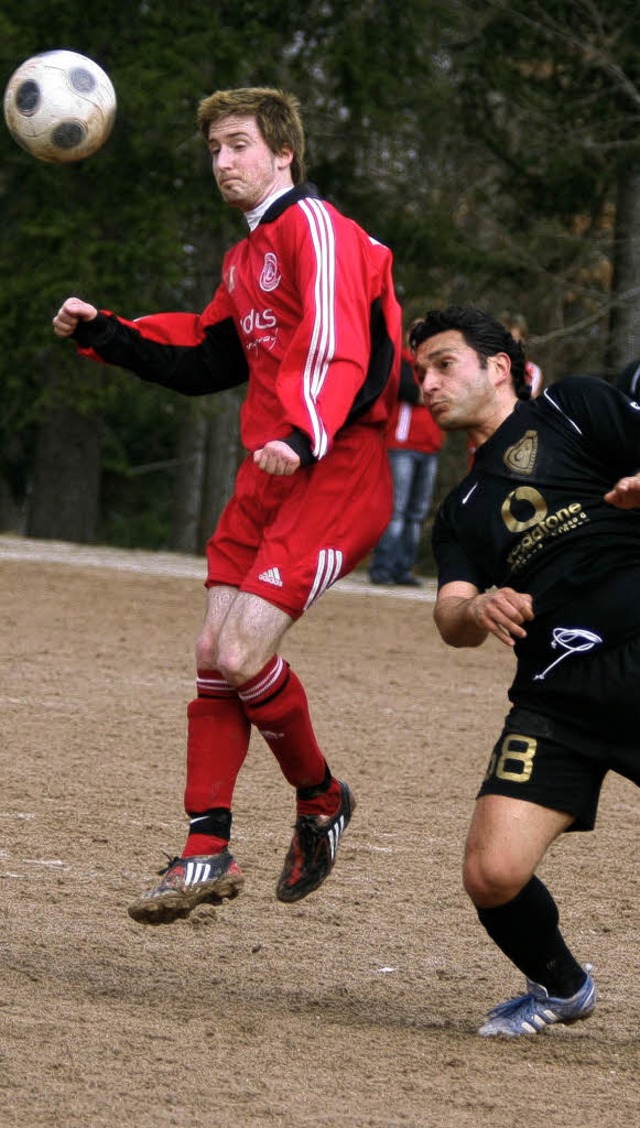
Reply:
x=465, y=619
x=455, y=619
x=170, y=353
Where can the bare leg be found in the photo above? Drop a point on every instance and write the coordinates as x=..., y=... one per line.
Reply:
x=507, y=840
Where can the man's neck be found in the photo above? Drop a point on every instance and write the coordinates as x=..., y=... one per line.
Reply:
x=478, y=434
x=254, y=216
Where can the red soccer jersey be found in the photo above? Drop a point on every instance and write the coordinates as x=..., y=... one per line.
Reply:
x=300, y=290
x=412, y=426
x=311, y=299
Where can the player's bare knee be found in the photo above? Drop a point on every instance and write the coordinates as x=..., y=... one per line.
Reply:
x=492, y=881
x=206, y=652
x=234, y=663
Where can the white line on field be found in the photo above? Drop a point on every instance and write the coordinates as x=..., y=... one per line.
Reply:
x=171, y=565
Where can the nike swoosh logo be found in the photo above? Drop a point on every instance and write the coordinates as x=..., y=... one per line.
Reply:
x=468, y=495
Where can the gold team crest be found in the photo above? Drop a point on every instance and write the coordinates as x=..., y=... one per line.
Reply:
x=521, y=457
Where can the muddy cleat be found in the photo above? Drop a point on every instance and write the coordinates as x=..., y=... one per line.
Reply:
x=187, y=882
x=533, y=1012
x=313, y=849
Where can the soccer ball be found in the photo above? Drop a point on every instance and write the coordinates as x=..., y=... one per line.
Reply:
x=60, y=106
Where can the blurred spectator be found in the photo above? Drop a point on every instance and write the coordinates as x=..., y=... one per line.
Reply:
x=516, y=323
x=414, y=440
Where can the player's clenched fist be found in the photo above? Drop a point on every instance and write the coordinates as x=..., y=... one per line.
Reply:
x=69, y=314
x=277, y=457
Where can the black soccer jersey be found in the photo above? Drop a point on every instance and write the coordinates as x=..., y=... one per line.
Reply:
x=531, y=513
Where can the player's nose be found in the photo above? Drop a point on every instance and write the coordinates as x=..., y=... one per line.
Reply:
x=224, y=158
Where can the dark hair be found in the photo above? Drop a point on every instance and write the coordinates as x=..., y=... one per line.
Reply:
x=481, y=332
x=276, y=112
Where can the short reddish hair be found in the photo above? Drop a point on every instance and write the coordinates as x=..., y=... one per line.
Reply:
x=277, y=115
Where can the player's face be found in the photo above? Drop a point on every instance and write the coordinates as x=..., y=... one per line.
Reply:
x=458, y=390
x=245, y=169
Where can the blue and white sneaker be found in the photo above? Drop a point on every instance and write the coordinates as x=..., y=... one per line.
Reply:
x=533, y=1012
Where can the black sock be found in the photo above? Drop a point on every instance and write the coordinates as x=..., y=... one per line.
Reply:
x=319, y=789
x=215, y=822
x=526, y=930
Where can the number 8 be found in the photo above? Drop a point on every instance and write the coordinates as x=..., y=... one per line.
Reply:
x=519, y=755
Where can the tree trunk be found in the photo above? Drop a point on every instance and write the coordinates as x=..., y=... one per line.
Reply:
x=625, y=319
x=185, y=533
x=11, y=512
x=224, y=454
x=13, y=460
x=209, y=425
x=64, y=498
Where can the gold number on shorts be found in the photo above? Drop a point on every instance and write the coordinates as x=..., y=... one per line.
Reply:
x=516, y=749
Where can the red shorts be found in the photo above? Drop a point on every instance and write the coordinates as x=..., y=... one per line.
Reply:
x=287, y=539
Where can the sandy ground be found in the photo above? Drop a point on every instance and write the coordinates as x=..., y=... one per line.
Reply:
x=357, y=1007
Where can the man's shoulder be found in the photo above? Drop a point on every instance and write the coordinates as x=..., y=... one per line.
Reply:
x=584, y=395
x=313, y=204
x=576, y=385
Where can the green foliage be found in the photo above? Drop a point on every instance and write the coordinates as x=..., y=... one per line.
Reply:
x=553, y=90
x=128, y=228
x=138, y=467
x=549, y=94
x=481, y=139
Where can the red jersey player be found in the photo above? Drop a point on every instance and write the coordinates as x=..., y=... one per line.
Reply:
x=306, y=313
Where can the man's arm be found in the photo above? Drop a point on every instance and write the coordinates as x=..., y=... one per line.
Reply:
x=410, y=391
x=466, y=617
x=193, y=354
x=342, y=355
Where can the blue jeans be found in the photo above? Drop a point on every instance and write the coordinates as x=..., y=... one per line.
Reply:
x=414, y=476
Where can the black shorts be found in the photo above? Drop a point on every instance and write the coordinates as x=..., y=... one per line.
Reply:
x=556, y=748
x=530, y=763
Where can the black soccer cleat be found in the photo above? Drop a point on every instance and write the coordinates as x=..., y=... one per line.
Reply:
x=187, y=882
x=313, y=849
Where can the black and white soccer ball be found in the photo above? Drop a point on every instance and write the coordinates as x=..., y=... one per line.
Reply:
x=60, y=106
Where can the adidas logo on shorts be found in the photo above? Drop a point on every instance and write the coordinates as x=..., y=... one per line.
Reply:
x=271, y=576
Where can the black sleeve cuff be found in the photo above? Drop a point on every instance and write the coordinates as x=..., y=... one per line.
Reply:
x=301, y=445
x=92, y=334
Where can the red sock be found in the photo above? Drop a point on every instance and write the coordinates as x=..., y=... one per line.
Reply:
x=320, y=801
x=276, y=703
x=217, y=744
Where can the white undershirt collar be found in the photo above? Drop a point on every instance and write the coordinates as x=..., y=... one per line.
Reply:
x=253, y=217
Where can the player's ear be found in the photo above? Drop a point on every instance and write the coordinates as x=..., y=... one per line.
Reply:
x=501, y=368
x=284, y=158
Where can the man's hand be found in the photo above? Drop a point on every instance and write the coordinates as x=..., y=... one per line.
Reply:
x=502, y=613
x=277, y=457
x=69, y=314
x=625, y=494
x=465, y=617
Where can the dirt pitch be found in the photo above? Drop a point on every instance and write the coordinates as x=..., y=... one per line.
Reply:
x=356, y=1008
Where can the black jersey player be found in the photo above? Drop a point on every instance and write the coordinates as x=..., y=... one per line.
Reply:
x=539, y=546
